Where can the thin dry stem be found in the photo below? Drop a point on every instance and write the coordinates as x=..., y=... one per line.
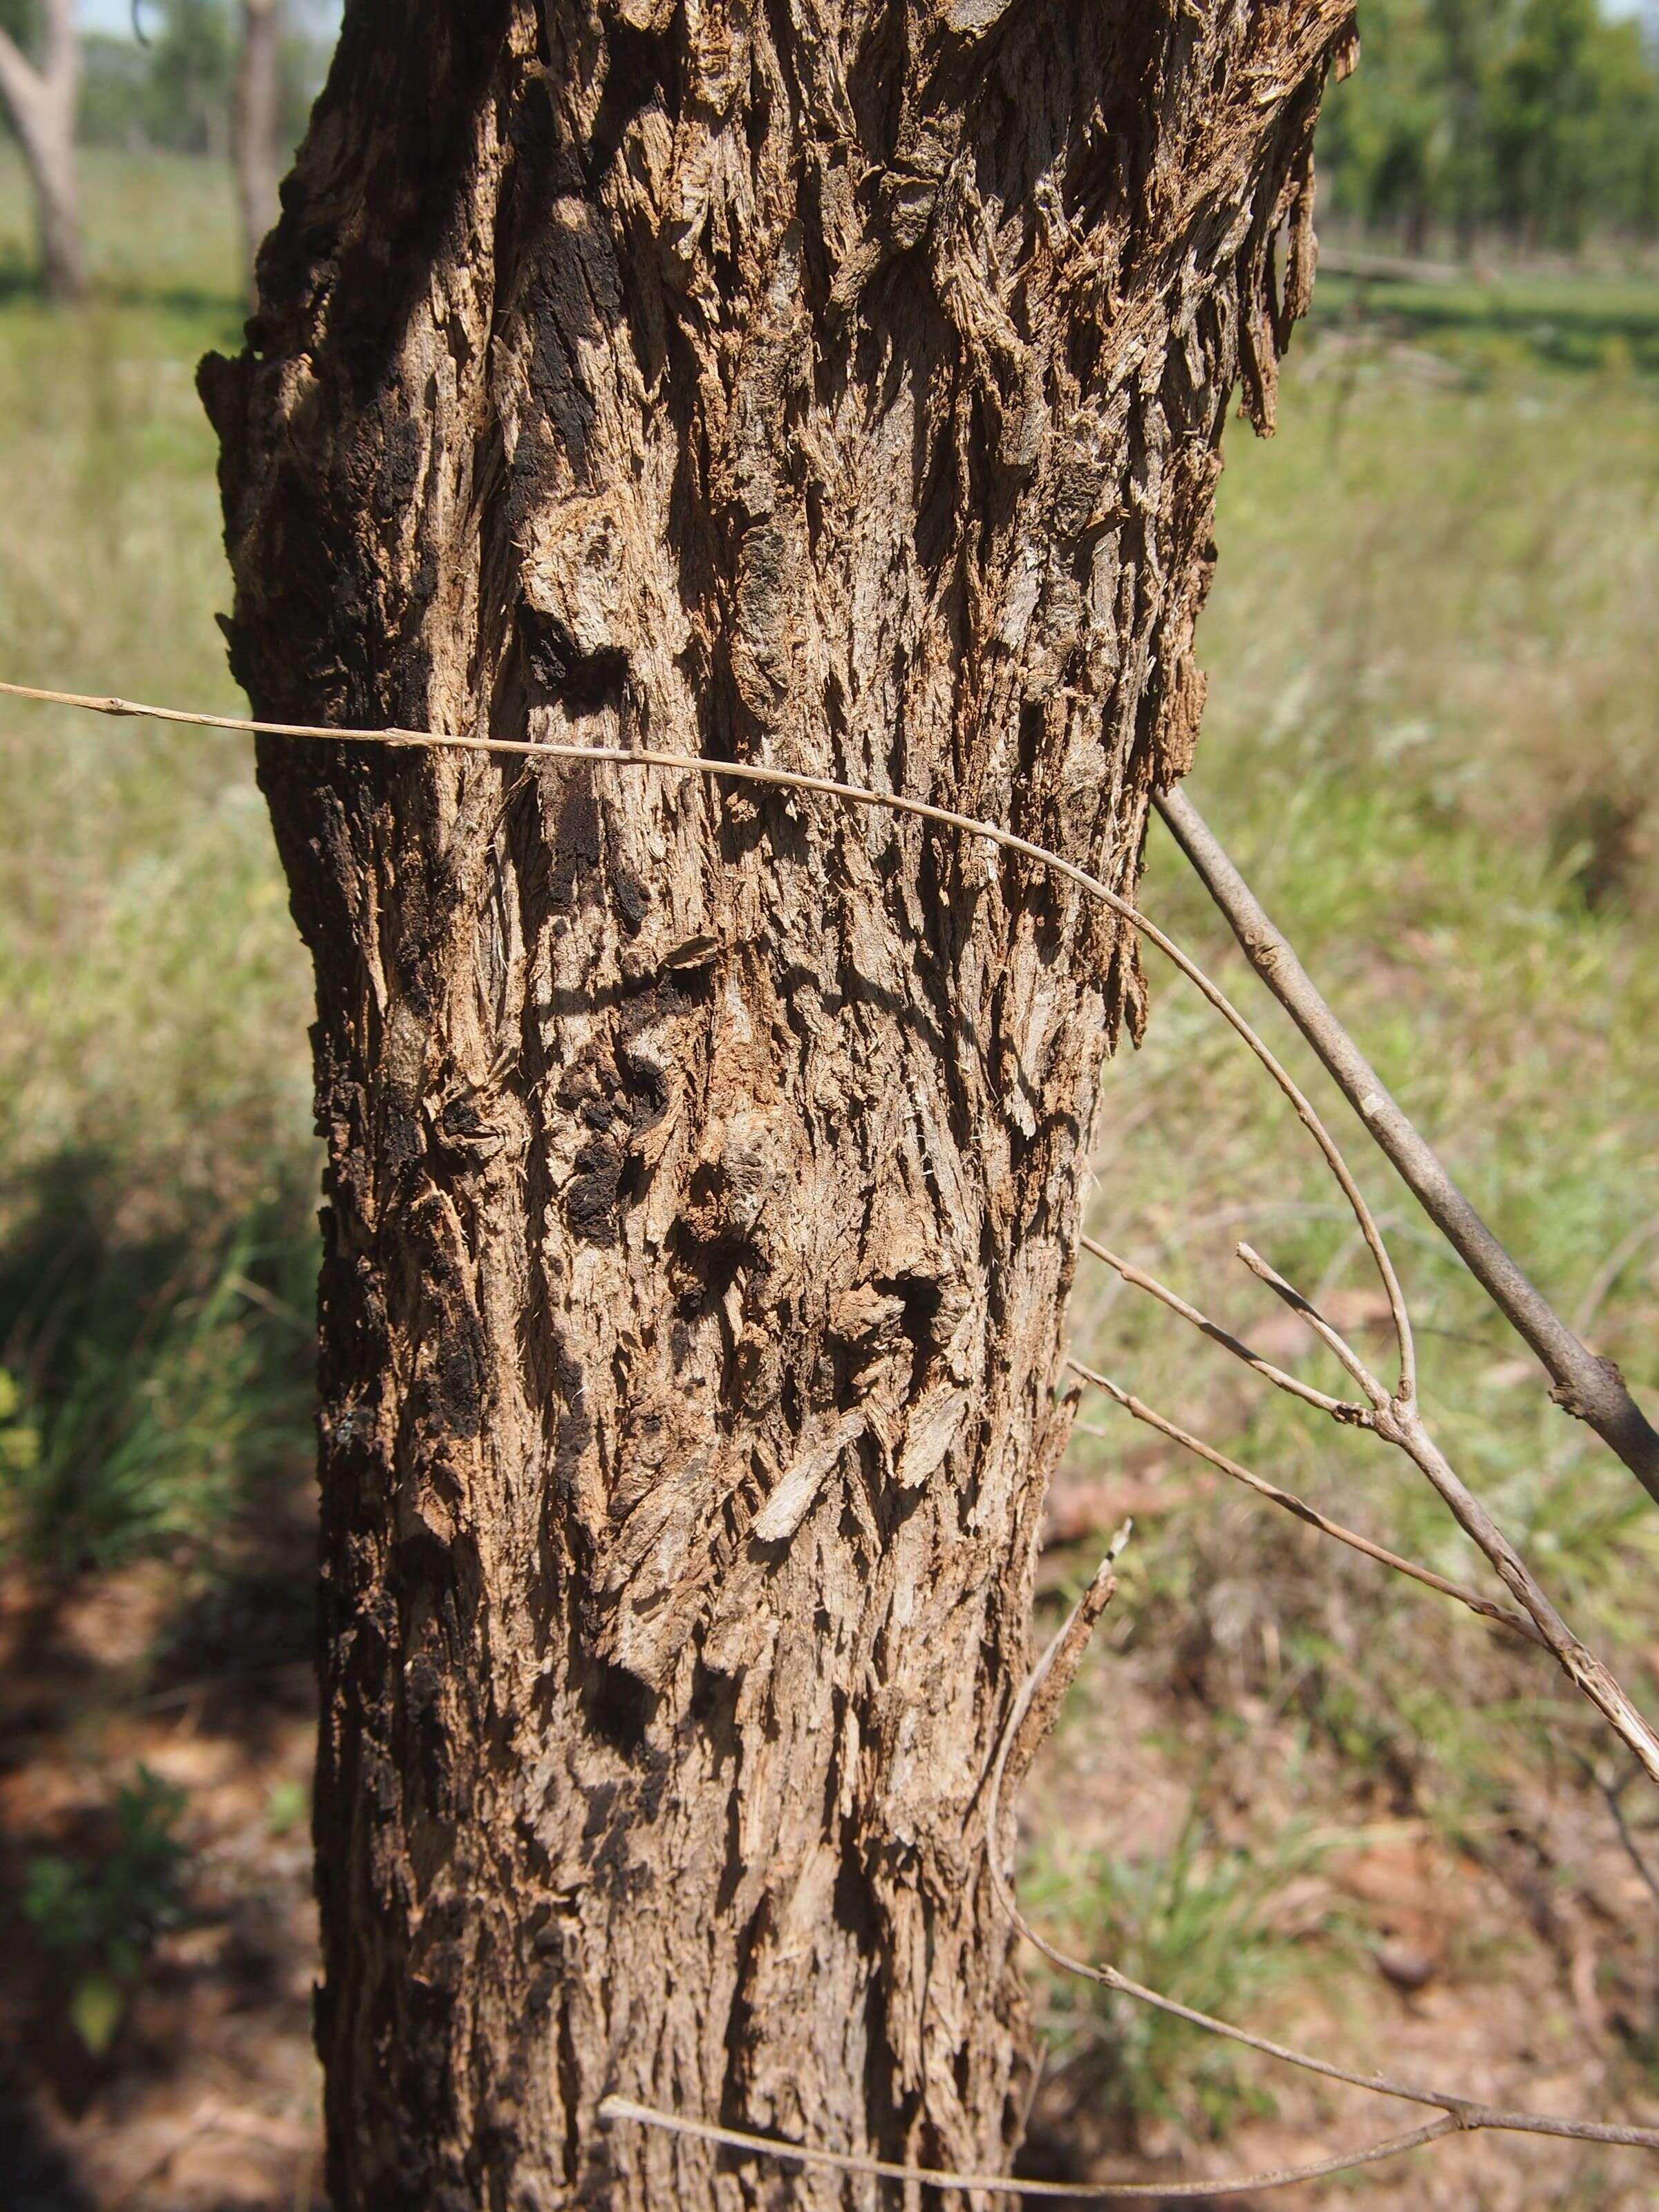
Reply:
x=1404, y=1427
x=1400, y=1424
x=1488, y=1608
x=1333, y=1339
x=1463, y=2112
x=854, y=794
x=1340, y=1409
x=1396, y=1419
x=625, y=2108
x=1590, y=1388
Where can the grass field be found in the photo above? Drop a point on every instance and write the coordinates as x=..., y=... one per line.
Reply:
x=1281, y=1786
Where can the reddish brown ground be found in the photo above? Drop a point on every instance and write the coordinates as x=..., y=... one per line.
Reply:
x=1502, y=1973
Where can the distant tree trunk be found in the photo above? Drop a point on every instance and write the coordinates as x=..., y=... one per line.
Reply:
x=41, y=100
x=254, y=121
x=837, y=388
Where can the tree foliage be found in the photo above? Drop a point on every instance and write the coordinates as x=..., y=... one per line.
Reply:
x=1536, y=119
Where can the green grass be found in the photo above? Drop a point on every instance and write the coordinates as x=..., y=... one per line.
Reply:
x=1204, y=1924
x=154, y=1156
x=1488, y=325
x=1430, y=747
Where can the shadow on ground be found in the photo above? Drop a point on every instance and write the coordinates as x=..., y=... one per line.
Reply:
x=157, y=1710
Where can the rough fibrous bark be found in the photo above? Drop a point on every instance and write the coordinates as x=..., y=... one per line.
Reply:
x=839, y=387
x=254, y=116
x=40, y=99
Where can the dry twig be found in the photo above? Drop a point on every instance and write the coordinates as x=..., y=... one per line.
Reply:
x=1340, y=1409
x=998, y=2185
x=1489, y=1609
x=1462, y=2113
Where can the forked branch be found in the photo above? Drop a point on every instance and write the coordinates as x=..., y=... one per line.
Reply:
x=1588, y=1387
x=1488, y=1608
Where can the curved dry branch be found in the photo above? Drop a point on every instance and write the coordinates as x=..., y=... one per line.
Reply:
x=996, y=2184
x=1333, y=1339
x=1396, y=1418
x=855, y=794
x=1339, y=1409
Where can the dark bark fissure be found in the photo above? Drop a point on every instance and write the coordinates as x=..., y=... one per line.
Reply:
x=839, y=390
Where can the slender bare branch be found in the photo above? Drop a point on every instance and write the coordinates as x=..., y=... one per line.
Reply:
x=1332, y=1339
x=1400, y=1424
x=613, y=2109
x=1403, y=1427
x=1489, y=1609
x=1340, y=1409
x=1590, y=1387
x=1396, y=1420
x=855, y=794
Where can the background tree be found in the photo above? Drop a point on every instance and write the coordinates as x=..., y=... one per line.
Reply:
x=39, y=84
x=1575, y=118
x=255, y=121
x=838, y=388
x=187, y=89
x=1537, y=119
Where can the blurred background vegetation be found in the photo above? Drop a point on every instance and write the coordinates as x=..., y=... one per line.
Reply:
x=1282, y=1786
x=1531, y=123
x=171, y=94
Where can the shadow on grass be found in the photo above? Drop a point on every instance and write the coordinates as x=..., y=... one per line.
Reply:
x=219, y=316
x=160, y=1362
x=1581, y=325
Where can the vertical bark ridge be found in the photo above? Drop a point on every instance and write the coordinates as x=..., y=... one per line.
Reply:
x=841, y=387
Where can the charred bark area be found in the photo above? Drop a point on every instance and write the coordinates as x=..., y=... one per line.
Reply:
x=840, y=387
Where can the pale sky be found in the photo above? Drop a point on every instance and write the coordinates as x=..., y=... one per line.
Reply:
x=116, y=15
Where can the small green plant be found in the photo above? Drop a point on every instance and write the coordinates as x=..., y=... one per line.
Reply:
x=102, y=1918
x=1198, y=1925
x=171, y=1399
x=20, y=1452
x=286, y=1805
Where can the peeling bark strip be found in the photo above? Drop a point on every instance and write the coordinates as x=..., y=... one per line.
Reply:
x=840, y=387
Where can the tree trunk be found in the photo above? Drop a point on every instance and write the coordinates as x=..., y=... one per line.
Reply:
x=253, y=124
x=839, y=388
x=42, y=102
